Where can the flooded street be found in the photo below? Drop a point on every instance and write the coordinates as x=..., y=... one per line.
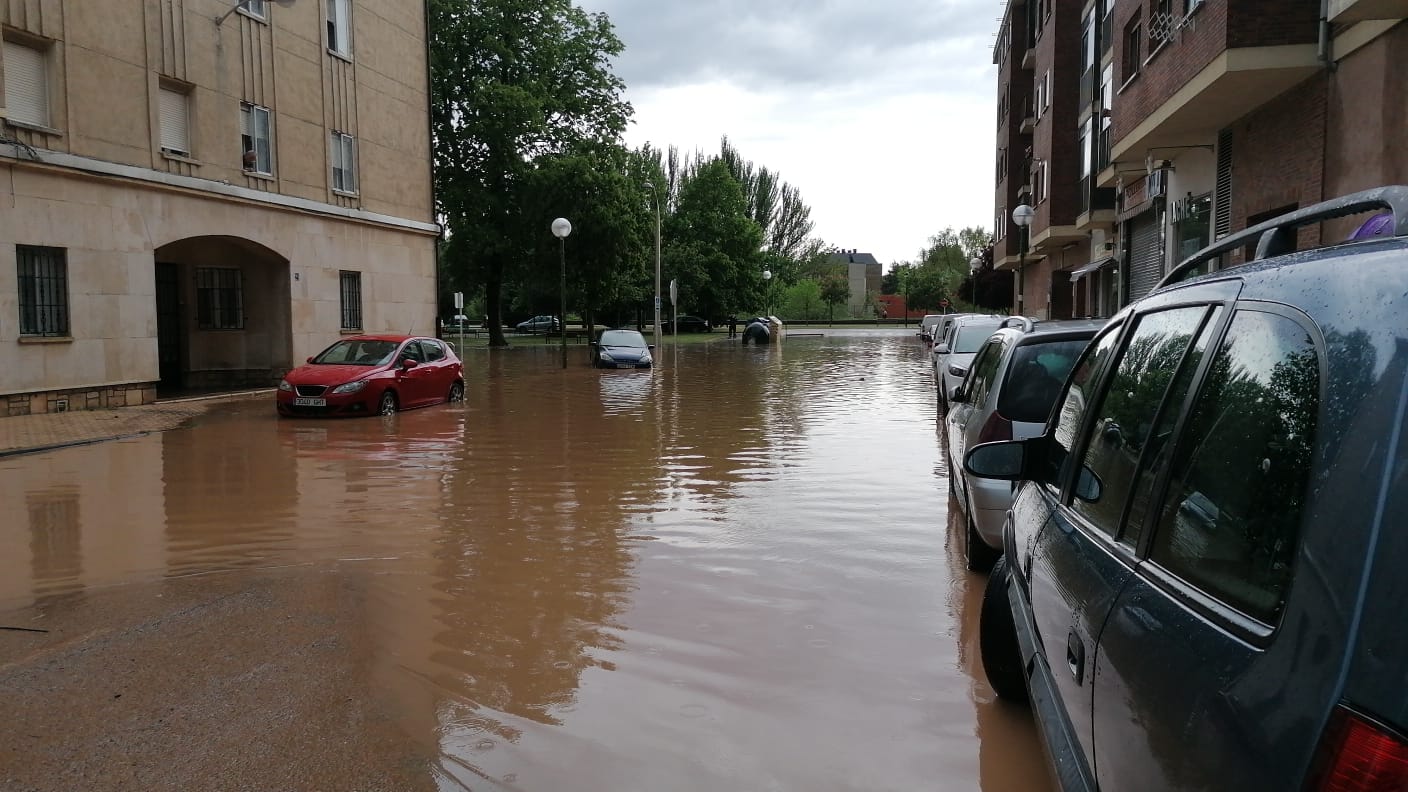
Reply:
x=733, y=572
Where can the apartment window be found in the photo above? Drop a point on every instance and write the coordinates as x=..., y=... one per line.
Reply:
x=1189, y=6
x=1133, y=48
x=1038, y=100
x=43, y=282
x=1046, y=91
x=340, y=27
x=174, y=118
x=255, y=139
x=254, y=8
x=219, y=299
x=351, y=300
x=26, y=84
x=343, y=149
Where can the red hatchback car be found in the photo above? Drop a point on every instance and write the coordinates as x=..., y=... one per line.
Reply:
x=373, y=374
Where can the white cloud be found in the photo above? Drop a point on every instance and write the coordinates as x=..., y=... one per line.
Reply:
x=883, y=116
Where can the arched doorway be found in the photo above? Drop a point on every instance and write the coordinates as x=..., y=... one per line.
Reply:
x=223, y=314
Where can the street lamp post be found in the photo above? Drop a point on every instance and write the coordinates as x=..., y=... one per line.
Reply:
x=767, y=294
x=656, y=196
x=1022, y=215
x=560, y=229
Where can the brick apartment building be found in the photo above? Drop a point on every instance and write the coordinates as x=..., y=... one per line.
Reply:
x=1193, y=119
x=199, y=193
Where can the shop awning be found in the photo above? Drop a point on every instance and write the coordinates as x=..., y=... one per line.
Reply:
x=1091, y=267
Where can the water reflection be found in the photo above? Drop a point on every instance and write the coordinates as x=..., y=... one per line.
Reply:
x=730, y=572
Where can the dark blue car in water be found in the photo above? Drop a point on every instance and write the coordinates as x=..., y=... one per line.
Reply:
x=1204, y=560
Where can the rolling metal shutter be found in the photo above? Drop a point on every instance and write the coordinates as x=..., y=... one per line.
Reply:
x=1222, y=194
x=26, y=84
x=1145, y=255
x=175, y=121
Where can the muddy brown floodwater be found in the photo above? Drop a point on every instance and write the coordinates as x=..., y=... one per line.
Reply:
x=734, y=572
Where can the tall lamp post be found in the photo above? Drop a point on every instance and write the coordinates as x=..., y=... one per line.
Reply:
x=560, y=229
x=1022, y=215
x=767, y=294
x=656, y=196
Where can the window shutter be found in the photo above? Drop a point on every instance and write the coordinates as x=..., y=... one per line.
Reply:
x=174, y=112
x=1222, y=193
x=26, y=84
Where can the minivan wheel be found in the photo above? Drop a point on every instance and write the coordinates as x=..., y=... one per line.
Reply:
x=456, y=393
x=980, y=556
x=997, y=638
x=388, y=404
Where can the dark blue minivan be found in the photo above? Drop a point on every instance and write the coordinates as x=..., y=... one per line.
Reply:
x=1206, y=555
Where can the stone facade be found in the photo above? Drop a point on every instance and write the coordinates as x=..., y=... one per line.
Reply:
x=318, y=238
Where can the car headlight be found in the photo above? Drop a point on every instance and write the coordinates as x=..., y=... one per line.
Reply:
x=350, y=387
x=606, y=358
x=645, y=358
x=284, y=386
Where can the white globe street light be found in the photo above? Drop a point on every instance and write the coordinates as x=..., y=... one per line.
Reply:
x=767, y=293
x=561, y=227
x=1022, y=215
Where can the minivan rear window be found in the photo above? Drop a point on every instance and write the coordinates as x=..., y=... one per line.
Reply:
x=1034, y=378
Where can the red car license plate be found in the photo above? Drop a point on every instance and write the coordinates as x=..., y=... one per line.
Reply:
x=306, y=402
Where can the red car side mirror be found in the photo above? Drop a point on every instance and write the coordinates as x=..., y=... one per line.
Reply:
x=408, y=364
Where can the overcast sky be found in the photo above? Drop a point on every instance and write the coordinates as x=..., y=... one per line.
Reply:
x=881, y=112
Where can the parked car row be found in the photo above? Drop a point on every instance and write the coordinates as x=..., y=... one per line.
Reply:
x=1198, y=558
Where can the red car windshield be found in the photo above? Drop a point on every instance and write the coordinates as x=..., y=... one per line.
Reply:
x=357, y=352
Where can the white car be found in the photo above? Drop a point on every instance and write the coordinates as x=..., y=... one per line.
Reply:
x=927, y=325
x=954, y=351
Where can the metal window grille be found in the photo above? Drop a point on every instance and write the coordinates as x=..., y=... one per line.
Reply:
x=219, y=299
x=351, y=300
x=43, y=284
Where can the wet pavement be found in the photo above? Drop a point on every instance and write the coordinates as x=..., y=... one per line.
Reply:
x=734, y=572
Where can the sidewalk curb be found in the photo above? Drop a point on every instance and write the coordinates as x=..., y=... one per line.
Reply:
x=13, y=452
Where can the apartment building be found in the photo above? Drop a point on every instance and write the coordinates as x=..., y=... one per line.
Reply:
x=1192, y=119
x=863, y=276
x=1038, y=51
x=200, y=193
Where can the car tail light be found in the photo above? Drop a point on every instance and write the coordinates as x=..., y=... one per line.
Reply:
x=1359, y=755
x=995, y=428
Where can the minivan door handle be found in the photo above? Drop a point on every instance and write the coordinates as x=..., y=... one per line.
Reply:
x=1075, y=656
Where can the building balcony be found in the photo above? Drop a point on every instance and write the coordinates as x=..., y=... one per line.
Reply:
x=1029, y=59
x=1217, y=96
x=1096, y=219
x=1028, y=124
x=1346, y=11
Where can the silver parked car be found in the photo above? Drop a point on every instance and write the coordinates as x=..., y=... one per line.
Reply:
x=1015, y=377
x=955, y=348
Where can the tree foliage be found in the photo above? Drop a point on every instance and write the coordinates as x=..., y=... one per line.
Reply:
x=512, y=81
x=835, y=290
x=712, y=246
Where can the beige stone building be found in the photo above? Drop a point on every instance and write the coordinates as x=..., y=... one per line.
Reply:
x=200, y=193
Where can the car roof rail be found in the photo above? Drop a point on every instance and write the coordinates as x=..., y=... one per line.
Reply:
x=1276, y=237
x=1025, y=322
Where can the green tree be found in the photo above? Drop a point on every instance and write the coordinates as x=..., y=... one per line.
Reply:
x=835, y=290
x=713, y=247
x=612, y=227
x=801, y=300
x=511, y=81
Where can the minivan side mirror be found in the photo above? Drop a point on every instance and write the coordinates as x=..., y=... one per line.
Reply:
x=941, y=349
x=956, y=396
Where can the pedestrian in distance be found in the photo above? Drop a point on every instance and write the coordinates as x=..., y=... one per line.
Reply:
x=732, y=326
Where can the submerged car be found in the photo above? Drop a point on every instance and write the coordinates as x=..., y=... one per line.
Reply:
x=372, y=374
x=1203, y=561
x=621, y=349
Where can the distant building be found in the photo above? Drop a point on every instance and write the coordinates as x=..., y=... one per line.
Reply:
x=863, y=274
x=202, y=193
